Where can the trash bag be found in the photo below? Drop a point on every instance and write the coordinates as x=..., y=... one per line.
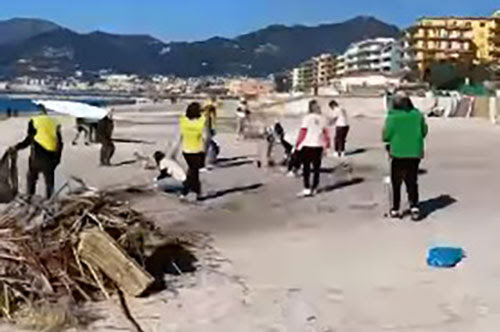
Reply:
x=8, y=177
x=445, y=257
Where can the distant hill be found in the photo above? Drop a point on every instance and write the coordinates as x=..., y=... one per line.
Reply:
x=20, y=29
x=259, y=53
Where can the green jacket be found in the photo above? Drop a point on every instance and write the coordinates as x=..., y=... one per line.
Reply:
x=405, y=132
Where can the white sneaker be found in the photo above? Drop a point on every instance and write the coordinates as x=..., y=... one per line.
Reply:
x=291, y=174
x=305, y=193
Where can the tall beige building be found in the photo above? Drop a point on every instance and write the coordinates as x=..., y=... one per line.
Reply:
x=315, y=72
x=468, y=39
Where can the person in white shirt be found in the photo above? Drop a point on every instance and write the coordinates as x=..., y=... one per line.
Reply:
x=339, y=120
x=242, y=118
x=172, y=176
x=314, y=138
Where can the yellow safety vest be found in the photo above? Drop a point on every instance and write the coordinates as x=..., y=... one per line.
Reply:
x=46, y=132
x=192, y=134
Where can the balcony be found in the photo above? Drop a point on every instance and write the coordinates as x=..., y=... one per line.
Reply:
x=449, y=27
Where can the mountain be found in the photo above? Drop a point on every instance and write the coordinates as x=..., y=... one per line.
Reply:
x=273, y=49
x=20, y=29
x=270, y=50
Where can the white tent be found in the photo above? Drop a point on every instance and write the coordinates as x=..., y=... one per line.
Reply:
x=78, y=110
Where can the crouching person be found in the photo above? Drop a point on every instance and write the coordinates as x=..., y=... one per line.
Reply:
x=171, y=177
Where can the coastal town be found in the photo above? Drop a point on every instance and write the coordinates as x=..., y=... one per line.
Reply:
x=284, y=180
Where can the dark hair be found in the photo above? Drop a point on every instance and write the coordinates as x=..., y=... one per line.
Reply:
x=42, y=109
x=312, y=103
x=193, y=111
x=333, y=103
x=403, y=104
x=278, y=129
x=158, y=156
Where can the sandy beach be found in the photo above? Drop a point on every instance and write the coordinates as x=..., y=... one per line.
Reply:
x=329, y=263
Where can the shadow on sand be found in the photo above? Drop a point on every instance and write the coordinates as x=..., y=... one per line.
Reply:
x=355, y=151
x=234, y=164
x=340, y=185
x=225, y=192
x=435, y=204
x=231, y=159
x=124, y=163
x=171, y=258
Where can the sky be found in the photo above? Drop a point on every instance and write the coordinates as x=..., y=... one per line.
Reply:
x=190, y=20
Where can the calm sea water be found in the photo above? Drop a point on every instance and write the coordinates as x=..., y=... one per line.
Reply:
x=27, y=106
x=22, y=105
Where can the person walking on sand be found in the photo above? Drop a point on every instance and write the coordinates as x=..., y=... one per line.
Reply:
x=44, y=137
x=404, y=131
x=313, y=141
x=82, y=126
x=340, y=122
x=104, y=133
x=242, y=118
x=193, y=132
x=212, y=148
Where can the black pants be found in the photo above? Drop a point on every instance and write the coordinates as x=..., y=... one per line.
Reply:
x=86, y=134
x=107, y=152
x=45, y=162
x=312, y=157
x=340, y=138
x=405, y=170
x=295, y=161
x=195, y=162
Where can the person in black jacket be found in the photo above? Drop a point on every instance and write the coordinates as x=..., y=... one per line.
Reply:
x=105, y=128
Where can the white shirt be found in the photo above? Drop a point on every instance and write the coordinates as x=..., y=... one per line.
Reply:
x=241, y=111
x=315, y=124
x=173, y=169
x=339, y=117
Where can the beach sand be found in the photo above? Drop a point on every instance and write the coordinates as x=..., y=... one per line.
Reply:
x=329, y=263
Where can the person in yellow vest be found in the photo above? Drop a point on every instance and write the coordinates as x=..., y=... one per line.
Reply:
x=44, y=137
x=193, y=126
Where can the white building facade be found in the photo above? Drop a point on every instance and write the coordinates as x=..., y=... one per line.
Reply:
x=383, y=55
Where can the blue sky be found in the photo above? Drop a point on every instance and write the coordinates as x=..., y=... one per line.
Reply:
x=201, y=19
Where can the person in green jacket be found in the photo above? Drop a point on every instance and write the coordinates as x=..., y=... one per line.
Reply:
x=404, y=131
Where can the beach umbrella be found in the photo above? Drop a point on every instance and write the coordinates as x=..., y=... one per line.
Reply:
x=76, y=109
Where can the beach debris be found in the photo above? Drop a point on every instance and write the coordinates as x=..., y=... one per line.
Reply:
x=97, y=248
x=81, y=247
x=8, y=177
x=445, y=257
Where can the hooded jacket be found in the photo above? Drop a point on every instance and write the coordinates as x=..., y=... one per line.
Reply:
x=405, y=131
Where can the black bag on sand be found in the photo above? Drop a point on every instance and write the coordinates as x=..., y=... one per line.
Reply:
x=8, y=177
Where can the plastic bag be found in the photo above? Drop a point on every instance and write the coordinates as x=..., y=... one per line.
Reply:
x=8, y=177
x=445, y=257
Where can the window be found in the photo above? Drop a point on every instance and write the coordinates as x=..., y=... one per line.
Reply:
x=482, y=25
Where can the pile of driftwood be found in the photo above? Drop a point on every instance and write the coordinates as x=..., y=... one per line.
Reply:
x=82, y=247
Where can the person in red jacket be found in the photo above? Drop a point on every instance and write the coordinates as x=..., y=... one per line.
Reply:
x=314, y=138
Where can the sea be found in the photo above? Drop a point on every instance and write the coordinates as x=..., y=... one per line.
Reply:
x=26, y=105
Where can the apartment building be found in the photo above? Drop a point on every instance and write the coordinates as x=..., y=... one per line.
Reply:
x=382, y=55
x=315, y=72
x=466, y=39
